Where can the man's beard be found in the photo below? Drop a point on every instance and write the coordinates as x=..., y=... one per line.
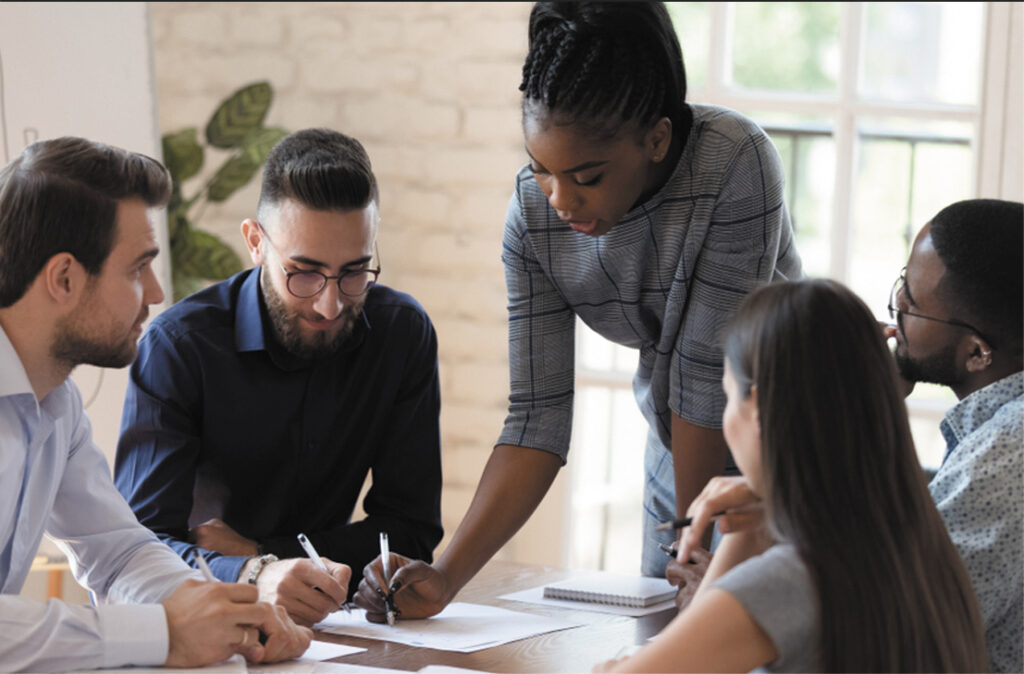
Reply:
x=938, y=368
x=289, y=333
x=72, y=347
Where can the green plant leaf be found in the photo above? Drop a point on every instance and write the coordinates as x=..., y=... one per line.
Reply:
x=259, y=142
x=240, y=112
x=177, y=225
x=183, y=155
x=203, y=255
x=235, y=172
x=186, y=285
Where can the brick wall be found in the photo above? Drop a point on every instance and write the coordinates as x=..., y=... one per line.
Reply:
x=431, y=89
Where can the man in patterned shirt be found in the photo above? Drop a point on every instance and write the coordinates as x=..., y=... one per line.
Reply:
x=958, y=307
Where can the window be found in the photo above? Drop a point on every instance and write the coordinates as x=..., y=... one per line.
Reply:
x=875, y=109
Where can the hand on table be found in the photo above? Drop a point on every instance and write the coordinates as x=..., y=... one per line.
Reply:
x=209, y=622
x=420, y=590
x=217, y=536
x=304, y=591
x=721, y=494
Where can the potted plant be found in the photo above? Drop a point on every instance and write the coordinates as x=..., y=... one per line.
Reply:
x=199, y=257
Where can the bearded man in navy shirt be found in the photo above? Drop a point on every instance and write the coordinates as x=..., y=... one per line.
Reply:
x=257, y=407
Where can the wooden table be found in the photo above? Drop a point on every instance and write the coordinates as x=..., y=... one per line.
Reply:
x=600, y=637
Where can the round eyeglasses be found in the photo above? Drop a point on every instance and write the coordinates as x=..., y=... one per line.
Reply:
x=896, y=314
x=306, y=284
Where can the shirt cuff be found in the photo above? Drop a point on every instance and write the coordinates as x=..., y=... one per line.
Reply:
x=133, y=634
x=227, y=568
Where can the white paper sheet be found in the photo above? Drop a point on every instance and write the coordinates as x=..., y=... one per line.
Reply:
x=447, y=669
x=234, y=664
x=459, y=627
x=535, y=595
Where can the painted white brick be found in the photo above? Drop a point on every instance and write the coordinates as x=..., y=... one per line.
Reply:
x=256, y=23
x=482, y=383
x=470, y=423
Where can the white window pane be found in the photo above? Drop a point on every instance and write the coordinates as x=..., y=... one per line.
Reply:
x=922, y=51
x=606, y=464
x=786, y=46
x=903, y=179
x=808, y=153
x=692, y=21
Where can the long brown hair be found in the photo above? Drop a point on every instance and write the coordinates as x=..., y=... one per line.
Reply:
x=844, y=486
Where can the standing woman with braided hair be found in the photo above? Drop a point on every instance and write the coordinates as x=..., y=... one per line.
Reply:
x=650, y=219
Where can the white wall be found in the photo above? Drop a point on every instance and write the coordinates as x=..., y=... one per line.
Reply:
x=82, y=69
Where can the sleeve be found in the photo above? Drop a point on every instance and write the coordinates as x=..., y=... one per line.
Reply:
x=982, y=504
x=158, y=451
x=404, y=498
x=541, y=346
x=109, y=552
x=121, y=562
x=55, y=637
x=775, y=588
x=748, y=234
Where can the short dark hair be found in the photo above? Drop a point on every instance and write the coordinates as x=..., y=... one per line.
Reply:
x=604, y=64
x=981, y=244
x=61, y=196
x=321, y=169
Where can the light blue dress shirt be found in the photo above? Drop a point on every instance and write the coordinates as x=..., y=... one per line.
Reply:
x=979, y=489
x=54, y=480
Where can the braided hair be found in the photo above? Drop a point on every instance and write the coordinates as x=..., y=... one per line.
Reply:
x=605, y=64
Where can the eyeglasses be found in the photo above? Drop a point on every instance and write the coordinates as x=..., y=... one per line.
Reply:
x=306, y=284
x=896, y=313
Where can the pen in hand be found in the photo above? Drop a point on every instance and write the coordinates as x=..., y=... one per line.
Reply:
x=208, y=574
x=682, y=522
x=312, y=554
x=385, y=557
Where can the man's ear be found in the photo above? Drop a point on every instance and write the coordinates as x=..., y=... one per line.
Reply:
x=253, y=236
x=979, y=354
x=64, y=278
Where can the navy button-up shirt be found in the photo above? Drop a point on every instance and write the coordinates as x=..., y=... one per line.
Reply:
x=220, y=421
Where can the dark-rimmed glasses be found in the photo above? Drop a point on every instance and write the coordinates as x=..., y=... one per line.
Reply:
x=306, y=284
x=895, y=312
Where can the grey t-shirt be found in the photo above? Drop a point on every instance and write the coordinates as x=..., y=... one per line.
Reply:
x=776, y=590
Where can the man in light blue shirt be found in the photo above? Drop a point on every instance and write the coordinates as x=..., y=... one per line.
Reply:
x=958, y=307
x=76, y=246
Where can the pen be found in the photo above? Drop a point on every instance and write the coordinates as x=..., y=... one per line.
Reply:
x=680, y=523
x=385, y=556
x=205, y=568
x=312, y=554
x=668, y=550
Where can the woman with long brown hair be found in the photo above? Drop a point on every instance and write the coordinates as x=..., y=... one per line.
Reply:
x=846, y=564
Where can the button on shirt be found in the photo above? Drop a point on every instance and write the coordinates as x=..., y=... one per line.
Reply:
x=221, y=422
x=54, y=480
x=979, y=489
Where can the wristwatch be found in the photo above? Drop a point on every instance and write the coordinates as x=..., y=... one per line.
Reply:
x=257, y=568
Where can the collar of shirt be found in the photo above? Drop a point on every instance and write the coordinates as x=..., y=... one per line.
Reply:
x=254, y=333
x=14, y=384
x=978, y=408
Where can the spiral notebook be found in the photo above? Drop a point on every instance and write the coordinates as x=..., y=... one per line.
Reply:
x=614, y=589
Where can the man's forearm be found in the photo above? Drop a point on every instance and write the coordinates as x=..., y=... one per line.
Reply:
x=513, y=484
